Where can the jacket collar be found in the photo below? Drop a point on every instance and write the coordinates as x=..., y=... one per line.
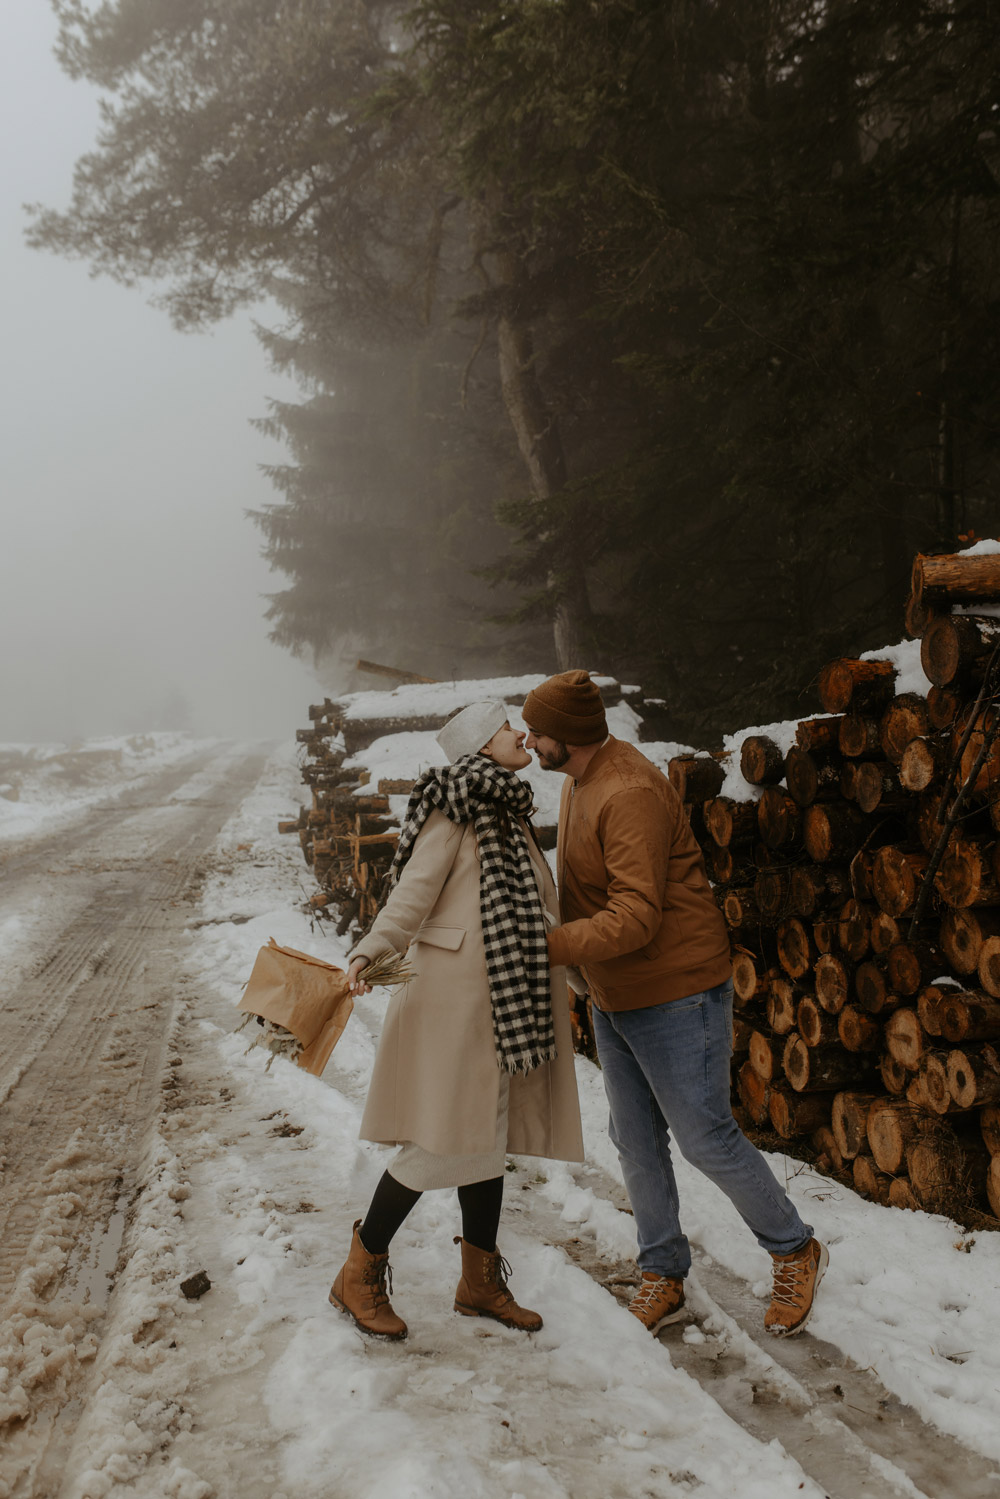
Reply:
x=602, y=757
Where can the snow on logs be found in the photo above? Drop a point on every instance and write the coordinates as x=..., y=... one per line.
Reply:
x=872, y=1040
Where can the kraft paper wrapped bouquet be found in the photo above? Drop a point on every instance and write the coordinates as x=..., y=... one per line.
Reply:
x=302, y=1003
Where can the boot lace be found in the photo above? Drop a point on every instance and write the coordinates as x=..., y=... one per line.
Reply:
x=499, y=1271
x=791, y=1279
x=648, y=1294
x=375, y=1277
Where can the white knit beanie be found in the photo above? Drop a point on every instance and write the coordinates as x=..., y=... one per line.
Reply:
x=471, y=728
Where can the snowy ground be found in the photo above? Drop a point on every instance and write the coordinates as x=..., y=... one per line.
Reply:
x=260, y=1390
x=48, y=785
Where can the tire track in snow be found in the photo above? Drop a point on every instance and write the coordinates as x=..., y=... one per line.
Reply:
x=83, y=1033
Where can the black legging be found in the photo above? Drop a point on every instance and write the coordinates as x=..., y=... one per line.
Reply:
x=480, y=1203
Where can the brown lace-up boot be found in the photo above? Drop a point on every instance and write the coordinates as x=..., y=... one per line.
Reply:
x=796, y=1277
x=360, y=1291
x=658, y=1301
x=482, y=1291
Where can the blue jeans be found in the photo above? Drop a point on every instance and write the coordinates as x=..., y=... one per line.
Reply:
x=666, y=1072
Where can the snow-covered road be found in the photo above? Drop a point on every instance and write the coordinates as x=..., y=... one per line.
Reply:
x=148, y=1145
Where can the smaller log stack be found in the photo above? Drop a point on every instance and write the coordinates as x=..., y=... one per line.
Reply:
x=347, y=836
x=861, y=886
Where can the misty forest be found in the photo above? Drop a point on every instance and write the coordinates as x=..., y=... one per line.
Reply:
x=651, y=336
x=628, y=373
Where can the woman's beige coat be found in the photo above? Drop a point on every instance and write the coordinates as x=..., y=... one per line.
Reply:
x=436, y=1080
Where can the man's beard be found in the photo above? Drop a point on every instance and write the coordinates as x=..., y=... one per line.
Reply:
x=556, y=761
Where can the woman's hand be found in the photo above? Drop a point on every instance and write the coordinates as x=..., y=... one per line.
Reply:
x=355, y=984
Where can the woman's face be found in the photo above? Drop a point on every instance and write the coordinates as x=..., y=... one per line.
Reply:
x=507, y=749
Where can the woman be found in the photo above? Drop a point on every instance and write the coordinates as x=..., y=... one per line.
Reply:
x=475, y=1057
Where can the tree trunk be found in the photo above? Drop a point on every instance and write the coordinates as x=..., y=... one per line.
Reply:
x=833, y=982
x=850, y=1122
x=781, y=1006
x=809, y=888
x=956, y=579
x=963, y=933
x=929, y=1006
x=933, y=1076
x=816, y=1027
x=974, y=1077
x=924, y=763
x=885, y=933
x=966, y=1017
x=695, y=778
x=771, y=890
x=762, y=1057
x=905, y=1039
x=832, y=830
x=750, y=979
x=796, y=952
x=901, y=1195
x=815, y=1069
x=876, y=786
x=870, y=1183
x=904, y=719
x=761, y=761
x=956, y=648
x=730, y=822
x=943, y=705
x=946, y=1171
x=809, y=779
x=818, y=736
x=893, y=1074
x=966, y=877
x=854, y=929
x=896, y=877
x=871, y=990
x=988, y=966
x=540, y=443
x=857, y=1031
x=989, y=1125
x=740, y=909
x=892, y=1125
x=754, y=1093
x=911, y=965
x=798, y=1113
x=861, y=686
x=860, y=737
x=779, y=819
x=993, y=1185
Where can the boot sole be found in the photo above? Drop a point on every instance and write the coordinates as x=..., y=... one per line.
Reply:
x=792, y=1332
x=474, y=1311
x=389, y=1337
x=680, y=1315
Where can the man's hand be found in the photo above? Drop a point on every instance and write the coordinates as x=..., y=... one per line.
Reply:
x=355, y=984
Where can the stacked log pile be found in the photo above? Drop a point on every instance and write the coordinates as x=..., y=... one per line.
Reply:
x=347, y=835
x=860, y=880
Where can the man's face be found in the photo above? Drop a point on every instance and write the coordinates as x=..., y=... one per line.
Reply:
x=552, y=753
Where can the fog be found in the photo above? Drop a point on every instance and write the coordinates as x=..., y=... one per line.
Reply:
x=131, y=586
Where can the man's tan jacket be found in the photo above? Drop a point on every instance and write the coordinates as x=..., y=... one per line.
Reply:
x=639, y=917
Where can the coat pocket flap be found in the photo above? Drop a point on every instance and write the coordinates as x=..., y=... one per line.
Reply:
x=450, y=937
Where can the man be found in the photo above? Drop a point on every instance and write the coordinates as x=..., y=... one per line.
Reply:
x=640, y=922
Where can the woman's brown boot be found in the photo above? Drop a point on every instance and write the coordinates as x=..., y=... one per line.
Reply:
x=482, y=1291
x=359, y=1290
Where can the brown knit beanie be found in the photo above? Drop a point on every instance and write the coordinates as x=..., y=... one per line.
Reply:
x=567, y=707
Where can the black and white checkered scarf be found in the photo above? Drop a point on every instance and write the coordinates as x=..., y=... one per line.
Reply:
x=475, y=789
